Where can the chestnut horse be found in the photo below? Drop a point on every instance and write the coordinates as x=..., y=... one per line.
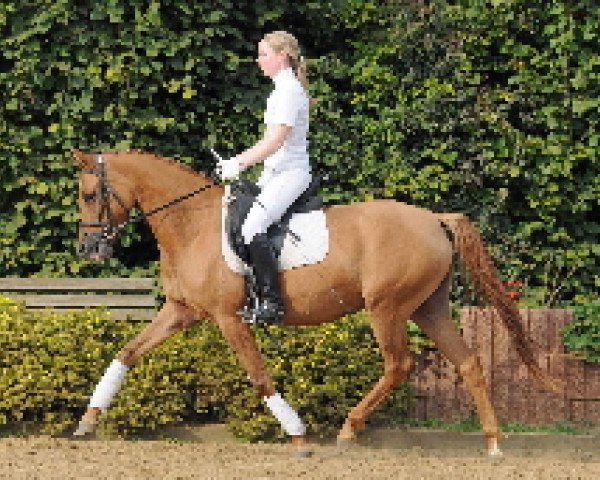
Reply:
x=388, y=257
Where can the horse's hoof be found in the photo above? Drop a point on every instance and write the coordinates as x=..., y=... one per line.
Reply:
x=304, y=453
x=302, y=446
x=84, y=428
x=492, y=448
x=495, y=454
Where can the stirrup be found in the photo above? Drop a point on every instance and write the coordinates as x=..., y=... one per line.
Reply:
x=252, y=301
x=260, y=314
x=248, y=315
x=84, y=428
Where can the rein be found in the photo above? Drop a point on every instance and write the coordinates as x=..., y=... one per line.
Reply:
x=110, y=231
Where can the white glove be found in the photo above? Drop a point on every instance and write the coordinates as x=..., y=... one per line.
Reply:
x=229, y=169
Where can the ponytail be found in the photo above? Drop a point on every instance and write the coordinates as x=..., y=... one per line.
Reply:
x=301, y=71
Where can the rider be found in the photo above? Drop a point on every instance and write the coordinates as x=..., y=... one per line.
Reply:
x=283, y=149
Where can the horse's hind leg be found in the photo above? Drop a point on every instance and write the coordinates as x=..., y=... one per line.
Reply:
x=392, y=338
x=170, y=319
x=433, y=317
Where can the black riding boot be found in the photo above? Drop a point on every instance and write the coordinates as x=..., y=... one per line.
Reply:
x=264, y=267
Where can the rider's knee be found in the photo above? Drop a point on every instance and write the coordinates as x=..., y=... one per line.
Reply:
x=257, y=222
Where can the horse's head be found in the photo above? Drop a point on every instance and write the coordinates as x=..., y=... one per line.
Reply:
x=104, y=203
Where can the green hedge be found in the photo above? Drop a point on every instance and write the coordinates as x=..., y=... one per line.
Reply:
x=52, y=361
x=485, y=107
x=583, y=334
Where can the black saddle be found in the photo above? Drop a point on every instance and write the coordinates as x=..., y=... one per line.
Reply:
x=243, y=193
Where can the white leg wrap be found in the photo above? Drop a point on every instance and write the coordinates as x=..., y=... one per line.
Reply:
x=108, y=385
x=287, y=416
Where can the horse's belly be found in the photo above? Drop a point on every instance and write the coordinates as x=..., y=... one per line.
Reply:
x=320, y=306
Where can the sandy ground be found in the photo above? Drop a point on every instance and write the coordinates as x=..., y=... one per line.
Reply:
x=209, y=452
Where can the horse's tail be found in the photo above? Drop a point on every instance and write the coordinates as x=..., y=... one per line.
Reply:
x=480, y=267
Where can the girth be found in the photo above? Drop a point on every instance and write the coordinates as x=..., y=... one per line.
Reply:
x=244, y=192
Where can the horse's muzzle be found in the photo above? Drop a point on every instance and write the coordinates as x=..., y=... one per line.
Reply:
x=95, y=246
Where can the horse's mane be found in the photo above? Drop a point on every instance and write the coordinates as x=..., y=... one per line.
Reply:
x=170, y=161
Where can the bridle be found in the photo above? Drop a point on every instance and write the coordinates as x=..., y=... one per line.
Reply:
x=104, y=191
x=99, y=242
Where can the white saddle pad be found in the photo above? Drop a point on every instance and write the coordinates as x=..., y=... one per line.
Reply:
x=310, y=227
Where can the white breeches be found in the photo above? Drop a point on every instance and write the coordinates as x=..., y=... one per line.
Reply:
x=278, y=192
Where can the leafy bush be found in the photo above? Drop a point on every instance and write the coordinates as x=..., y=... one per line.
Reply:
x=583, y=334
x=488, y=109
x=52, y=362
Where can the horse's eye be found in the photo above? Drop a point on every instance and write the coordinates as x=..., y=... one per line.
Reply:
x=89, y=197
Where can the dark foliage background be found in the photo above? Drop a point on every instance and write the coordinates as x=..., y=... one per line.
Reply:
x=489, y=108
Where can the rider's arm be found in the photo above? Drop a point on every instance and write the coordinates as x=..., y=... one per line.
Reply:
x=273, y=139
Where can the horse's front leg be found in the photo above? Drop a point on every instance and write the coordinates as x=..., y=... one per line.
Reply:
x=239, y=336
x=172, y=318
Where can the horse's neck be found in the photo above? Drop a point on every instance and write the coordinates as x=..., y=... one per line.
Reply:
x=157, y=182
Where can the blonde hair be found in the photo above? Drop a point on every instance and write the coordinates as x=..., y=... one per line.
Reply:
x=281, y=41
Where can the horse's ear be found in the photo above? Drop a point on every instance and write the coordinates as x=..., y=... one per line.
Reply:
x=83, y=159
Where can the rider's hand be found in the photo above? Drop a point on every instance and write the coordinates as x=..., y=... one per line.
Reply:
x=229, y=169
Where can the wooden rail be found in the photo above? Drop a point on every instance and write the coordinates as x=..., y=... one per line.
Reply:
x=126, y=298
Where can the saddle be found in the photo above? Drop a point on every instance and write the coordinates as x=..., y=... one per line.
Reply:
x=242, y=195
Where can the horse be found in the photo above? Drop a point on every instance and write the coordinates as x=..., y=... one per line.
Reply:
x=388, y=257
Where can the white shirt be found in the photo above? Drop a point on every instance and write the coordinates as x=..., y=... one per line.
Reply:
x=288, y=105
